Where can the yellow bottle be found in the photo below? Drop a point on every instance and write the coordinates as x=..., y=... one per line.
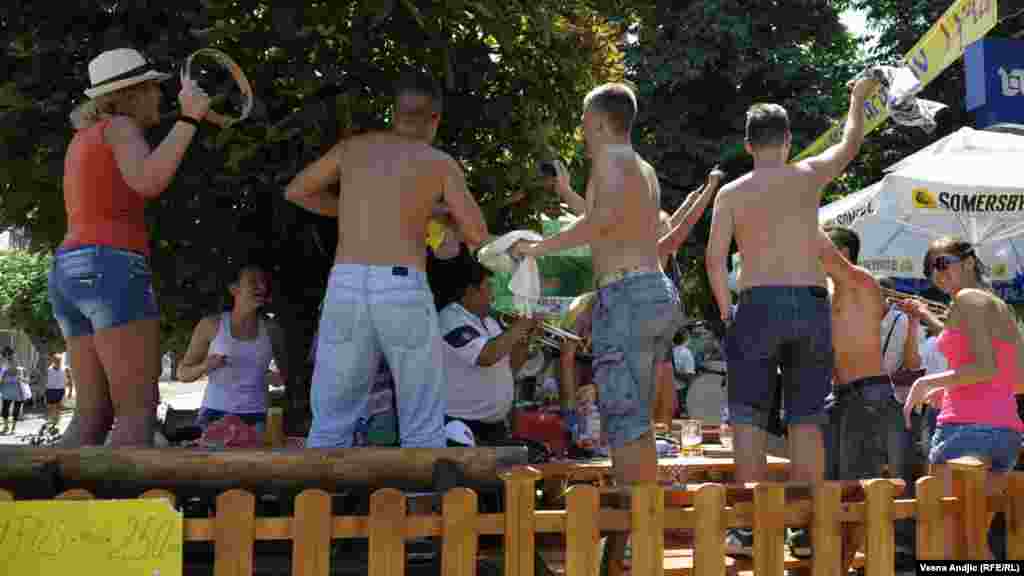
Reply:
x=435, y=234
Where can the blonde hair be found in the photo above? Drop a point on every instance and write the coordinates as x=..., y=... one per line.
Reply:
x=119, y=102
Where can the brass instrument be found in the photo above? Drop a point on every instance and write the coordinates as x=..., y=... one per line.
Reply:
x=552, y=337
x=937, y=308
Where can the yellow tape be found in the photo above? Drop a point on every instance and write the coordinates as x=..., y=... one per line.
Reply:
x=965, y=22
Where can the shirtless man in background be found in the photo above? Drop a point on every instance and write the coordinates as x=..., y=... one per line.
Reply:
x=862, y=408
x=378, y=299
x=637, y=309
x=782, y=317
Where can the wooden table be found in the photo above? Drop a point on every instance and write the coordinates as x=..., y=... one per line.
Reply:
x=675, y=470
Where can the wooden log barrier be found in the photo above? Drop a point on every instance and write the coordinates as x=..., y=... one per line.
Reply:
x=327, y=469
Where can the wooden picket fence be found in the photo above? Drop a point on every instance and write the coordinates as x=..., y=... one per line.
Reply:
x=235, y=527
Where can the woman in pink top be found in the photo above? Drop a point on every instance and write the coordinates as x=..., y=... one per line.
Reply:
x=100, y=284
x=978, y=415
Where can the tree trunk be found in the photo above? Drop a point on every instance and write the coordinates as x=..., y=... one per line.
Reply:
x=42, y=347
x=328, y=469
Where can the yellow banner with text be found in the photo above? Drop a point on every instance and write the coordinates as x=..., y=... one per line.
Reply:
x=965, y=22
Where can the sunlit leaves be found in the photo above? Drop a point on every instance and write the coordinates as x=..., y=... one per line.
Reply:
x=23, y=294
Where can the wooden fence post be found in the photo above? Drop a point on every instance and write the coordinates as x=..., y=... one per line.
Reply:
x=880, y=534
x=647, y=521
x=826, y=535
x=931, y=528
x=582, y=535
x=769, y=529
x=312, y=526
x=157, y=494
x=387, y=533
x=709, y=541
x=1015, y=517
x=459, y=536
x=234, y=533
x=74, y=494
x=969, y=475
x=520, y=502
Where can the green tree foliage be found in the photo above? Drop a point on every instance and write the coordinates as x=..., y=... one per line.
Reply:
x=514, y=73
x=24, y=304
x=895, y=27
x=23, y=297
x=700, y=65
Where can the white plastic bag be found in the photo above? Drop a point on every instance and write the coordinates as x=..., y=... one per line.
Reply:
x=525, y=282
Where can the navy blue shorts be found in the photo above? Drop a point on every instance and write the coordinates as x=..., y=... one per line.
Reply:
x=94, y=287
x=54, y=396
x=787, y=328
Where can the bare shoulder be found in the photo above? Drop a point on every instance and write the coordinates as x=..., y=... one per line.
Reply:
x=865, y=279
x=733, y=188
x=973, y=298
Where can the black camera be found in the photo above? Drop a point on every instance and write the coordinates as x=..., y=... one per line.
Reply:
x=547, y=169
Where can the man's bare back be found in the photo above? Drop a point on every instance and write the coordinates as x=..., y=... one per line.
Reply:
x=857, y=311
x=388, y=186
x=633, y=242
x=775, y=223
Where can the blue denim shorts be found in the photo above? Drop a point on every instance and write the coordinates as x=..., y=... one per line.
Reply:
x=634, y=319
x=787, y=328
x=1000, y=446
x=94, y=287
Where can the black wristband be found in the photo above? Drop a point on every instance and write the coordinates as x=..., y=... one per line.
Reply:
x=189, y=120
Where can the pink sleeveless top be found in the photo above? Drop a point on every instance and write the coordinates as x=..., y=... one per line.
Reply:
x=991, y=402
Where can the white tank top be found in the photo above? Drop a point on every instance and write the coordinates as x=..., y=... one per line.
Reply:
x=239, y=387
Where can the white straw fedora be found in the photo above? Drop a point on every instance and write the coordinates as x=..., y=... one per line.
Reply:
x=120, y=68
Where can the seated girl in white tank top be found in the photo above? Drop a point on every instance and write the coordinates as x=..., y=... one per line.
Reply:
x=239, y=387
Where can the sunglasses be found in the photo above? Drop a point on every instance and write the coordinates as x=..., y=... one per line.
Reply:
x=941, y=263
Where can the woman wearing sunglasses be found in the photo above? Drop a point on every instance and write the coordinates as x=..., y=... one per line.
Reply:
x=978, y=415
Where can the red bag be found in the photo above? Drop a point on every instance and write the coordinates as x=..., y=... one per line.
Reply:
x=231, y=432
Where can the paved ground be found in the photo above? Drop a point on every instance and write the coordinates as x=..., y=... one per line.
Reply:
x=180, y=395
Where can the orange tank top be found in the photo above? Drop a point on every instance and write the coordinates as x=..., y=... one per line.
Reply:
x=101, y=207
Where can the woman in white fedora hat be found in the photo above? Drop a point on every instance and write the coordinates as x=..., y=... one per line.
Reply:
x=100, y=284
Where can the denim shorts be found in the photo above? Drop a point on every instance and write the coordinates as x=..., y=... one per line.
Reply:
x=634, y=319
x=1000, y=446
x=96, y=287
x=865, y=430
x=787, y=328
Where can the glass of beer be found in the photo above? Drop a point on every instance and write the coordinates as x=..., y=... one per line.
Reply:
x=690, y=438
x=725, y=436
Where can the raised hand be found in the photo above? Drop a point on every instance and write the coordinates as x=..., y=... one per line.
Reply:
x=195, y=103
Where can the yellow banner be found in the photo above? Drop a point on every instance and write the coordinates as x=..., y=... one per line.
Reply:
x=108, y=537
x=965, y=22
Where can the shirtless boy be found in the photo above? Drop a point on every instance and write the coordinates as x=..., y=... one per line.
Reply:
x=863, y=411
x=782, y=317
x=378, y=299
x=637, y=309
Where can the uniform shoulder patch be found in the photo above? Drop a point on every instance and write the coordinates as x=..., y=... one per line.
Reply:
x=459, y=337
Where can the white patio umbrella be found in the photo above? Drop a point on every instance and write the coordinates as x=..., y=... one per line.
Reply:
x=955, y=189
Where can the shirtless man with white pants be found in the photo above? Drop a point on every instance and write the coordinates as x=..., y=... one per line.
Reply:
x=378, y=299
x=782, y=317
x=637, y=309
